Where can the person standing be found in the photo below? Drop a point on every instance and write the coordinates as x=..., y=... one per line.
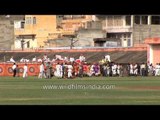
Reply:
x=157, y=69
x=131, y=69
x=104, y=69
x=135, y=69
x=121, y=70
x=25, y=68
x=59, y=70
x=41, y=72
x=17, y=71
x=143, y=67
x=63, y=70
x=49, y=70
x=14, y=69
x=81, y=70
x=70, y=68
x=96, y=69
x=107, y=58
x=150, y=70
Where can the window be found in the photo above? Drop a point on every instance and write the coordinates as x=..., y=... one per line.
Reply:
x=114, y=21
x=34, y=20
x=114, y=35
x=127, y=37
x=28, y=44
x=128, y=20
x=110, y=35
x=129, y=42
x=118, y=21
x=137, y=20
x=155, y=20
x=144, y=19
x=28, y=20
x=109, y=20
x=22, y=24
x=141, y=20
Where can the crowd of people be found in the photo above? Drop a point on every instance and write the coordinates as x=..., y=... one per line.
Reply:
x=64, y=67
x=45, y=58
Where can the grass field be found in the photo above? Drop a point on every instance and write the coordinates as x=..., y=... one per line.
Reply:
x=118, y=91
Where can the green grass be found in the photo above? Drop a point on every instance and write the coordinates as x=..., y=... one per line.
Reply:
x=126, y=91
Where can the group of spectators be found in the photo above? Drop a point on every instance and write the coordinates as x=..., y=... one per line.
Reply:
x=105, y=67
x=64, y=67
x=45, y=58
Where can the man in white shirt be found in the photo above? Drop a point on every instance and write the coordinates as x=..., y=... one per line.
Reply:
x=70, y=68
x=39, y=60
x=108, y=58
x=25, y=68
x=59, y=70
x=14, y=69
x=22, y=60
x=58, y=57
x=45, y=57
x=41, y=72
x=71, y=59
x=114, y=68
x=34, y=59
x=135, y=69
x=131, y=69
x=53, y=60
x=143, y=67
x=92, y=70
x=82, y=58
x=66, y=59
x=26, y=60
x=12, y=60
x=157, y=69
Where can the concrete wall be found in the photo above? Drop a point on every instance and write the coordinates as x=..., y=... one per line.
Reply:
x=60, y=43
x=6, y=34
x=94, y=25
x=140, y=32
x=85, y=36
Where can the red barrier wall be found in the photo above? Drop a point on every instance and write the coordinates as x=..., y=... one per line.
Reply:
x=6, y=69
x=2, y=69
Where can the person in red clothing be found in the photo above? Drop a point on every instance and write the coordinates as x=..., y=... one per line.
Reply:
x=85, y=69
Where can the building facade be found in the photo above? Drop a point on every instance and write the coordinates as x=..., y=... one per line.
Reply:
x=86, y=37
x=72, y=23
x=131, y=29
x=68, y=26
x=7, y=31
x=34, y=30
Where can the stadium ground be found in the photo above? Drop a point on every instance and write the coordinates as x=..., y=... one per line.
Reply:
x=80, y=91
